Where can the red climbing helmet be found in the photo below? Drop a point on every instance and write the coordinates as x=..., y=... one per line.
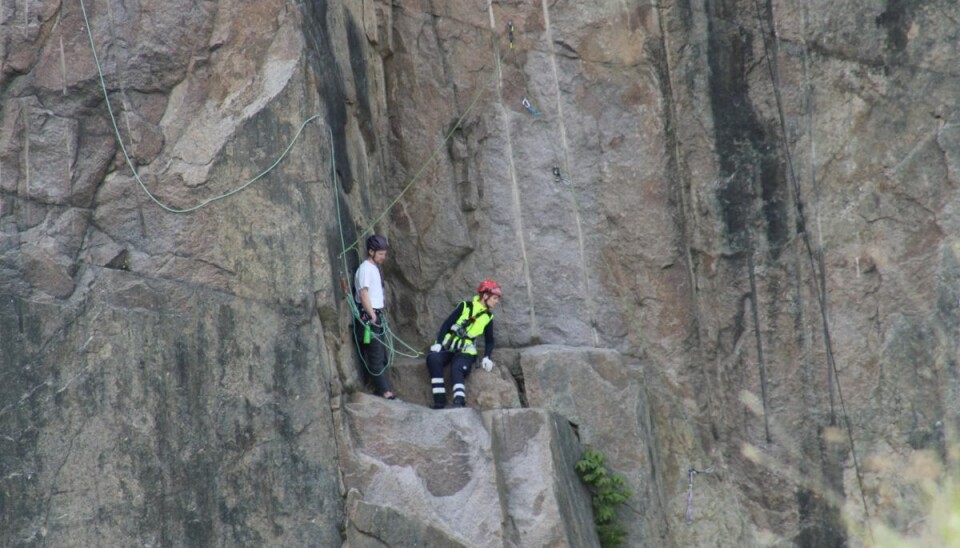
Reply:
x=490, y=286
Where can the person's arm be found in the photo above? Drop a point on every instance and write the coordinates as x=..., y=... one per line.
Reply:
x=451, y=319
x=365, y=303
x=365, y=279
x=488, y=342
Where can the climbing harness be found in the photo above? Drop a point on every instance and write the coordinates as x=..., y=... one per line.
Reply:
x=463, y=334
x=688, y=517
x=389, y=337
x=386, y=336
x=126, y=155
x=469, y=326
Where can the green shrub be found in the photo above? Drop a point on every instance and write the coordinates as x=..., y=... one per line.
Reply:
x=608, y=492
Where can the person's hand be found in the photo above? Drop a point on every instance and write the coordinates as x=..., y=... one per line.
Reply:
x=435, y=347
x=487, y=364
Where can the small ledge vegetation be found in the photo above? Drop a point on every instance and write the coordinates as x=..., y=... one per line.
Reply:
x=609, y=492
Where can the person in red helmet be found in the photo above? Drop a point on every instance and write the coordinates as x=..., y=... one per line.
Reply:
x=456, y=344
x=369, y=296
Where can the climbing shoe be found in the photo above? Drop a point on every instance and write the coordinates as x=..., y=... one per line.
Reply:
x=459, y=402
x=437, y=405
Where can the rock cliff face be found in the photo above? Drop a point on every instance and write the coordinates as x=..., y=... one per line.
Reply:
x=725, y=230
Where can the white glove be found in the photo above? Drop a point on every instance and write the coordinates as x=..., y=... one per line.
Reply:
x=487, y=364
x=435, y=348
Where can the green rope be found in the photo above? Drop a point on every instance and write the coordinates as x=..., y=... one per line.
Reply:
x=126, y=156
x=427, y=162
x=388, y=337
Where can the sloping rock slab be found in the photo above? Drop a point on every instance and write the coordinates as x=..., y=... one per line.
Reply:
x=639, y=421
x=461, y=477
x=606, y=399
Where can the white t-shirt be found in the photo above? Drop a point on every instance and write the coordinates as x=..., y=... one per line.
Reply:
x=368, y=276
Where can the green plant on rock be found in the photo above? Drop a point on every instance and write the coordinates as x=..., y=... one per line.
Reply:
x=608, y=491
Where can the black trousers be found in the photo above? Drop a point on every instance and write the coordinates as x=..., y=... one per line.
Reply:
x=460, y=366
x=373, y=355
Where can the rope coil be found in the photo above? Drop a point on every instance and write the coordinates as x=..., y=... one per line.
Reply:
x=388, y=336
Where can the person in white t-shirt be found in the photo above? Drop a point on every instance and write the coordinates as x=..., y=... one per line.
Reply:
x=368, y=293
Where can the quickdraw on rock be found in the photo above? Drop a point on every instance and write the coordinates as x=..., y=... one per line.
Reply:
x=558, y=175
x=528, y=106
x=688, y=518
x=510, y=29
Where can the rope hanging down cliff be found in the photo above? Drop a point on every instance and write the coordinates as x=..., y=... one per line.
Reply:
x=560, y=168
x=427, y=162
x=820, y=287
x=126, y=156
x=388, y=336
